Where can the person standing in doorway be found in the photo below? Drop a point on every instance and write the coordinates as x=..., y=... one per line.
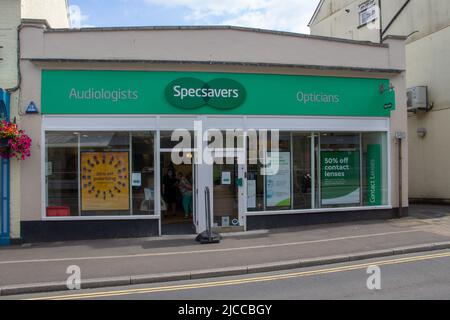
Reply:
x=186, y=191
x=169, y=191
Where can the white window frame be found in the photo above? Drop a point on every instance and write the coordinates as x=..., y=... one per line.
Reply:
x=51, y=123
x=315, y=195
x=367, y=7
x=157, y=123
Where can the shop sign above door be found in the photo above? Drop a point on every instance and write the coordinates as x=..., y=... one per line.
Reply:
x=210, y=93
x=192, y=93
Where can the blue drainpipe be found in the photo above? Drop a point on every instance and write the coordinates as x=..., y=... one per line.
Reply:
x=4, y=181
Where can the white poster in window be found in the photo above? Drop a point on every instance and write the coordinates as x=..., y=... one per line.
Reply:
x=226, y=178
x=136, y=179
x=251, y=194
x=278, y=182
x=225, y=221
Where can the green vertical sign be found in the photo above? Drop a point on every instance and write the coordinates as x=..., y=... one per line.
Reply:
x=340, y=178
x=374, y=174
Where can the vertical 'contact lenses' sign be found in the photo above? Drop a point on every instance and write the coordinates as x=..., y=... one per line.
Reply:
x=374, y=194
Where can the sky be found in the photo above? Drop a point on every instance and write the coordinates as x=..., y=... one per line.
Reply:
x=282, y=15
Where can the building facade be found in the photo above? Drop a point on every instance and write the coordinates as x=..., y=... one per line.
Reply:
x=12, y=13
x=129, y=137
x=425, y=23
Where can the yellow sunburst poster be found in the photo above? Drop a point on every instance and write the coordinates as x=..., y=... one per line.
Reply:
x=105, y=181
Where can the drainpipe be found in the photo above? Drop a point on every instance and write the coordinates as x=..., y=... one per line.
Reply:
x=400, y=136
x=19, y=74
x=381, y=21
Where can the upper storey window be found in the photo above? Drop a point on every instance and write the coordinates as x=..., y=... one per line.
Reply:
x=367, y=12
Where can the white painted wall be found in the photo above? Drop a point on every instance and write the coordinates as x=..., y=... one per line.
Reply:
x=424, y=16
x=202, y=45
x=342, y=24
x=428, y=59
x=54, y=11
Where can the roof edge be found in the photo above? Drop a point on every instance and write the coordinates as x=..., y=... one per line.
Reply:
x=316, y=12
x=395, y=37
x=216, y=27
x=221, y=63
x=42, y=22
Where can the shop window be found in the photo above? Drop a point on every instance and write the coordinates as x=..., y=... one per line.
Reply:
x=278, y=182
x=316, y=171
x=346, y=170
x=340, y=170
x=255, y=180
x=143, y=174
x=100, y=173
x=288, y=186
x=61, y=173
x=302, y=178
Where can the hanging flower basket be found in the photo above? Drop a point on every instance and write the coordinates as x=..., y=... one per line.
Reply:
x=14, y=143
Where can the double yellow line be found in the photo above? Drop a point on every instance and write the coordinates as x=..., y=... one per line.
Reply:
x=243, y=281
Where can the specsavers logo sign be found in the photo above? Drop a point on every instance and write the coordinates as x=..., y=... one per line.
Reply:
x=192, y=93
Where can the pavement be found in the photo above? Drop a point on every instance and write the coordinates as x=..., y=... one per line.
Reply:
x=121, y=262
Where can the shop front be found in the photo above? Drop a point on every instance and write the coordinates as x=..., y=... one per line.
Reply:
x=147, y=151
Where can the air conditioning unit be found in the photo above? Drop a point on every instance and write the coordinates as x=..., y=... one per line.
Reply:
x=417, y=99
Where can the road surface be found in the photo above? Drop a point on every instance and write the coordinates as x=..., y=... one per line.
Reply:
x=417, y=276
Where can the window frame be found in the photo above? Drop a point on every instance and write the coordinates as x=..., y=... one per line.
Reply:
x=364, y=8
x=157, y=123
x=316, y=188
x=130, y=216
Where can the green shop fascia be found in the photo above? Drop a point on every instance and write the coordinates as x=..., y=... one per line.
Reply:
x=79, y=92
x=139, y=92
